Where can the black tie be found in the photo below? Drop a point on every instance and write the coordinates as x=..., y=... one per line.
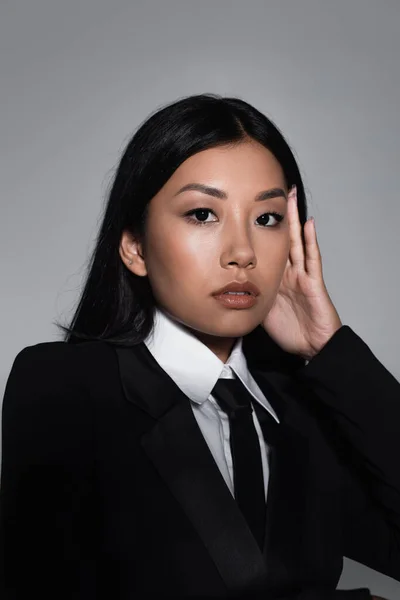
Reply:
x=235, y=400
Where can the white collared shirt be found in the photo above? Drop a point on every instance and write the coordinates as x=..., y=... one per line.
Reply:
x=195, y=369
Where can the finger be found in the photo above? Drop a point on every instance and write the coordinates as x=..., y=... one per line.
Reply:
x=296, y=253
x=313, y=260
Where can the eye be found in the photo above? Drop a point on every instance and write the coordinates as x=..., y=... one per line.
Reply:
x=202, y=214
x=277, y=216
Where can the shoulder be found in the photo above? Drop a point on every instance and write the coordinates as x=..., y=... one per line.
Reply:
x=48, y=405
x=60, y=358
x=58, y=352
x=50, y=369
x=51, y=398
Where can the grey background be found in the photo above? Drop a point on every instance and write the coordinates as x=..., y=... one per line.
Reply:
x=77, y=78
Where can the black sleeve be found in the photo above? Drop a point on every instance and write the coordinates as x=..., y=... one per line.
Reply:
x=47, y=530
x=359, y=406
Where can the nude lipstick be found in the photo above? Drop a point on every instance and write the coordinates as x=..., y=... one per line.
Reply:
x=237, y=295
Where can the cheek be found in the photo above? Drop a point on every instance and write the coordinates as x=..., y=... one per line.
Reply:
x=176, y=257
x=273, y=262
x=282, y=251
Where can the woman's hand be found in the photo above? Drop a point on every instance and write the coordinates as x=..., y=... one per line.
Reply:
x=303, y=318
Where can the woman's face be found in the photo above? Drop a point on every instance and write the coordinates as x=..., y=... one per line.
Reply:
x=230, y=238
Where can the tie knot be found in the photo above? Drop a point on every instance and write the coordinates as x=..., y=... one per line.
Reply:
x=233, y=398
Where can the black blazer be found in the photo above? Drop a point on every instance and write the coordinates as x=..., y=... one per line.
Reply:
x=109, y=489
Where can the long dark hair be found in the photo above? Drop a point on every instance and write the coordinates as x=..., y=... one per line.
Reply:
x=115, y=305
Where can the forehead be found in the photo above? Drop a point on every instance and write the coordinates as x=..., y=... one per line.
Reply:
x=240, y=163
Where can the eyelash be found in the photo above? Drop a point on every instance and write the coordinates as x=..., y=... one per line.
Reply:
x=278, y=216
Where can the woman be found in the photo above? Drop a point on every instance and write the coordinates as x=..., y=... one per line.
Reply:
x=125, y=470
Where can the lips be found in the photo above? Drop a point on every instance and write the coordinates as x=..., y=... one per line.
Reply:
x=235, y=286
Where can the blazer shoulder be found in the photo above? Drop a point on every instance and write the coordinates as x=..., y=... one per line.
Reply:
x=48, y=409
x=52, y=365
x=61, y=351
x=56, y=351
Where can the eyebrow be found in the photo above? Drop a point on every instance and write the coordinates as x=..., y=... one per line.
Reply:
x=217, y=193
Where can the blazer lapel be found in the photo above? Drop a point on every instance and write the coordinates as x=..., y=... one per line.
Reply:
x=286, y=525
x=179, y=452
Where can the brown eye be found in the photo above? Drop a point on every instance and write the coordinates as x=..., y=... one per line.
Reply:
x=201, y=213
x=266, y=217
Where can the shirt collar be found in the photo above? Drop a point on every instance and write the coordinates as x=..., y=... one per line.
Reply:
x=192, y=365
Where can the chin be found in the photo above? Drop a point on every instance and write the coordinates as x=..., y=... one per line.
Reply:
x=237, y=327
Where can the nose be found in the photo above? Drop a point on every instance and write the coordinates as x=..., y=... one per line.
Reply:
x=238, y=250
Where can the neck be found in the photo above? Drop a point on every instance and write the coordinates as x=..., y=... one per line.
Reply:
x=221, y=347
